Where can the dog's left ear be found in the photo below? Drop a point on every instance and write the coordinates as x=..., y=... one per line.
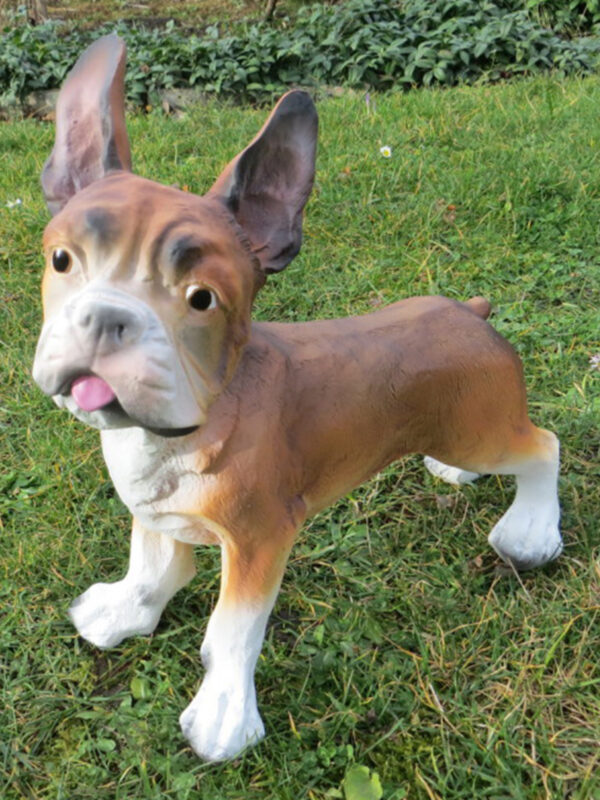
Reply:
x=267, y=185
x=91, y=137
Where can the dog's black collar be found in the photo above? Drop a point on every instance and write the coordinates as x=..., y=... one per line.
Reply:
x=171, y=433
x=168, y=433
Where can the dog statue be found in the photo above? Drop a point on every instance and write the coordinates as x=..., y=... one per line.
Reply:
x=217, y=430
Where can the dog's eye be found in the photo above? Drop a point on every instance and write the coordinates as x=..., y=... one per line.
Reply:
x=61, y=260
x=200, y=298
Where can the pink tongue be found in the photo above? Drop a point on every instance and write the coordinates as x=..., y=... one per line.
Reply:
x=91, y=393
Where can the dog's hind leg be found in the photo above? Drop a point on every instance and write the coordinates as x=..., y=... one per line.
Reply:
x=453, y=475
x=158, y=567
x=528, y=536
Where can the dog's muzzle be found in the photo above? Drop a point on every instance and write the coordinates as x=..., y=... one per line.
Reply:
x=107, y=357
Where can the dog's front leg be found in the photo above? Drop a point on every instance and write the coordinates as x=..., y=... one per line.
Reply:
x=223, y=717
x=158, y=567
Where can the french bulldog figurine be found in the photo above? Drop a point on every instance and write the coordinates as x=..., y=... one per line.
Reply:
x=218, y=430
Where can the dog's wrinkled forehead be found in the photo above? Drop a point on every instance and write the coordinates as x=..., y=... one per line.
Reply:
x=136, y=227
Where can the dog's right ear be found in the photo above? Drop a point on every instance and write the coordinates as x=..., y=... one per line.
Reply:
x=91, y=137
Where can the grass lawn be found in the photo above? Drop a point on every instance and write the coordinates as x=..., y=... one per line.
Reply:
x=398, y=641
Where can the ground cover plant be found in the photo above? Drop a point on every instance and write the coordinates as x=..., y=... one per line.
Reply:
x=570, y=16
x=398, y=643
x=359, y=43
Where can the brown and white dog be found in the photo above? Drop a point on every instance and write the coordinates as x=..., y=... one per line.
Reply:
x=222, y=431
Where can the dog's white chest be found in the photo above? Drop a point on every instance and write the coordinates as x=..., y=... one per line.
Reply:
x=157, y=480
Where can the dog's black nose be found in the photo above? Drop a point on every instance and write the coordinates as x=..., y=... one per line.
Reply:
x=106, y=326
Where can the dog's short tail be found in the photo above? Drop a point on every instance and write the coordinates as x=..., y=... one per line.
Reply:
x=480, y=306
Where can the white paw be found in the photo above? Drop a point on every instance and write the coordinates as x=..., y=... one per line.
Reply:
x=449, y=474
x=527, y=537
x=221, y=721
x=109, y=612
